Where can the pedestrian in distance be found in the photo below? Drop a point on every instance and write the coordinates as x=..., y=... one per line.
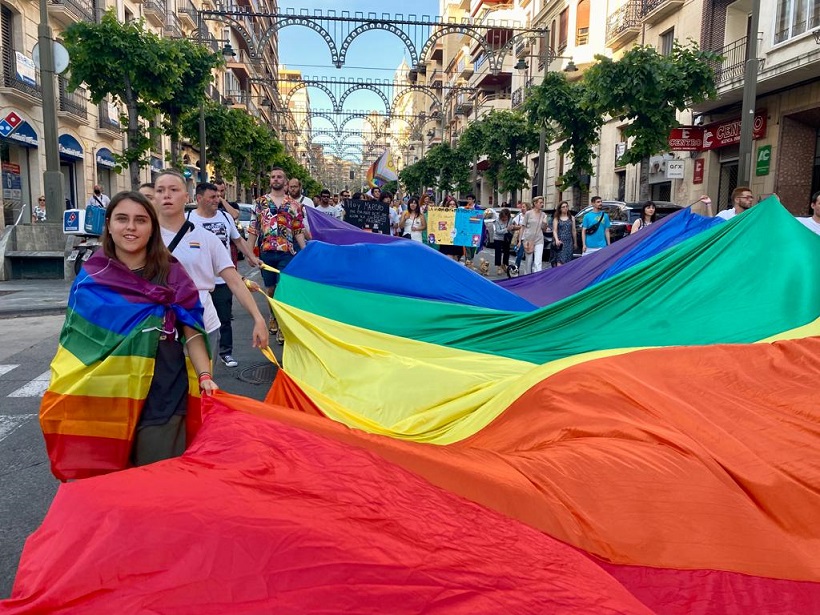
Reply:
x=648, y=216
x=532, y=235
x=502, y=235
x=595, y=228
x=564, y=234
x=38, y=214
x=98, y=198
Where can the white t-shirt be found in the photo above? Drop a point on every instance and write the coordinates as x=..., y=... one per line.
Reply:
x=306, y=201
x=98, y=201
x=221, y=225
x=726, y=214
x=203, y=257
x=810, y=223
x=337, y=211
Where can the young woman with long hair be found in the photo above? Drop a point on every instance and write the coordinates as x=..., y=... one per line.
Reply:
x=412, y=222
x=648, y=216
x=564, y=235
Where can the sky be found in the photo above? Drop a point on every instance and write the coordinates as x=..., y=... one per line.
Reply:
x=374, y=55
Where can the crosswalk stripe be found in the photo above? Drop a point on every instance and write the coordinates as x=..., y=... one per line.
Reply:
x=33, y=388
x=8, y=423
x=5, y=369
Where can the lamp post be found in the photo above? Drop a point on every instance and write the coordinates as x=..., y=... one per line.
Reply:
x=52, y=177
x=521, y=65
x=744, y=170
x=227, y=54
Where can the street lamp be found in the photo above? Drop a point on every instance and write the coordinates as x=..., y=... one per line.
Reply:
x=522, y=65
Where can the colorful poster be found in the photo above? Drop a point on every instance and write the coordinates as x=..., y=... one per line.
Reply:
x=469, y=225
x=441, y=226
x=454, y=227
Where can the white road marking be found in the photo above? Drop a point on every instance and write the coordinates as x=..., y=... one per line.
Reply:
x=8, y=423
x=5, y=369
x=34, y=388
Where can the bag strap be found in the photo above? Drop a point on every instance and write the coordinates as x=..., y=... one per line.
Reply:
x=187, y=225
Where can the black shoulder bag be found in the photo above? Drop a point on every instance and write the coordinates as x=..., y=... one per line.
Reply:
x=594, y=228
x=187, y=226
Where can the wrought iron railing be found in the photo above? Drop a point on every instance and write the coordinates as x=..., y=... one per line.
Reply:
x=73, y=102
x=732, y=62
x=627, y=17
x=173, y=27
x=82, y=10
x=13, y=79
x=105, y=118
x=155, y=6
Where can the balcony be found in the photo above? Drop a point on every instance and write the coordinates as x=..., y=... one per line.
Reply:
x=155, y=12
x=20, y=80
x=240, y=64
x=436, y=79
x=623, y=25
x=484, y=78
x=214, y=95
x=108, y=118
x=67, y=12
x=173, y=27
x=464, y=70
x=496, y=101
x=733, y=64
x=653, y=11
x=464, y=104
x=523, y=49
x=72, y=105
x=187, y=13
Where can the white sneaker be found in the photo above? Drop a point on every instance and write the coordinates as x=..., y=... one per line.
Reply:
x=229, y=361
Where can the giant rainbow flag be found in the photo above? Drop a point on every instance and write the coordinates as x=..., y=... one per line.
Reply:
x=646, y=445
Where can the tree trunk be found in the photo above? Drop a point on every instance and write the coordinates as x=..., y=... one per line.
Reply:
x=133, y=133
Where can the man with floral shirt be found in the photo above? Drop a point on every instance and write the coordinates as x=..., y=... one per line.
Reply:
x=276, y=225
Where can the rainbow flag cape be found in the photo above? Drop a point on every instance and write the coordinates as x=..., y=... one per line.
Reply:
x=646, y=445
x=103, y=368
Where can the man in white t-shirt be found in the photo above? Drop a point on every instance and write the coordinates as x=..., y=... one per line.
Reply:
x=813, y=222
x=742, y=199
x=98, y=199
x=209, y=216
x=203, y=256
x=327, y=207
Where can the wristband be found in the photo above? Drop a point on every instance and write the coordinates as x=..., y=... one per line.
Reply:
x=204, y=376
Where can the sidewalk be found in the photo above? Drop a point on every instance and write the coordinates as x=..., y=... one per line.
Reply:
x=33, y=297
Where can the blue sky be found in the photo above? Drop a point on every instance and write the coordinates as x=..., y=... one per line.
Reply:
x=374, y=55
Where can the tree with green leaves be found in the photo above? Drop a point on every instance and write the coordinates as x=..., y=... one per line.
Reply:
x=417, y=176
x=565, y=108
x=647, y=89
x=132, y=65
x=197, y=66
x=505, y=137
x=450, y=166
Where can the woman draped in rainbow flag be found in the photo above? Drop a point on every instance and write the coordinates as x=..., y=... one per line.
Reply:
x=119, y=388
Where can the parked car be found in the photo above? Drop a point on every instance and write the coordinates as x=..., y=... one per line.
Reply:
x=623, y=215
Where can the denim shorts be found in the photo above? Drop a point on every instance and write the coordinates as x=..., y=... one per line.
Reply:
x=276, y=259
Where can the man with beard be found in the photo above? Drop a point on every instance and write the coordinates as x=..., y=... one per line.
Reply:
x=742, y=199
x=278, y=223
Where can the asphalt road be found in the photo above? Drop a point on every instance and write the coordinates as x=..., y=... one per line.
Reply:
x=26, y=484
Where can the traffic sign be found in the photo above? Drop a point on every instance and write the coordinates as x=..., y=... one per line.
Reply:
x=5, y=128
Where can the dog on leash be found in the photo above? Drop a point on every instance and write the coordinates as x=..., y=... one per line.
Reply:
x=484, y=267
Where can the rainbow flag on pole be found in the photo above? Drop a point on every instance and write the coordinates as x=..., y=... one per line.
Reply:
x=382, y=171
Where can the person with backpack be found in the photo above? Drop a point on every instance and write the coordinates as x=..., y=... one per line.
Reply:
x=595, y=228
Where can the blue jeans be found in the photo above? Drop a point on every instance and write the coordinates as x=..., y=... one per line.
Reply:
x=519, y=256
x=276, y=259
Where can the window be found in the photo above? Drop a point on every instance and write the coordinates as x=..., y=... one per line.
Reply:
x=582, y=23
x=794, y=17
x=667, y=41
x=563, y=30
x=552, y=35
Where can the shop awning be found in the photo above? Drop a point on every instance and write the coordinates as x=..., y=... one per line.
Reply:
x=25, y=135
x=70, y=147
x=105, y=158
